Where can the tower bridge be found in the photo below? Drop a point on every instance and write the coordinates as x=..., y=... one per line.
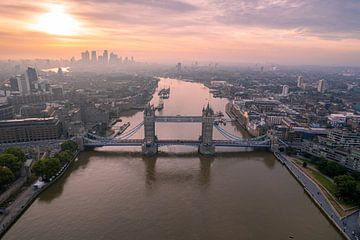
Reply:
x=150, y=143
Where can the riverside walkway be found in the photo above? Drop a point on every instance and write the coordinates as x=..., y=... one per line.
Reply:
x=25, y=199
x=348, y=225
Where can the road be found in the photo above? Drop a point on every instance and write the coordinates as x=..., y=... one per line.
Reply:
x=16, y=208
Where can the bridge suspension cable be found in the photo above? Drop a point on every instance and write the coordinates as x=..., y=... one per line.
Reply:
x=131, y=132
x=127, y=135
x=227, y=134
x=232, y=137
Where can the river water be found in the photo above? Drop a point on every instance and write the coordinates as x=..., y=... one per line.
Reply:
x=115, y=193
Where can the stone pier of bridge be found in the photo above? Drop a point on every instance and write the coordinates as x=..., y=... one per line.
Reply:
x=206, y=147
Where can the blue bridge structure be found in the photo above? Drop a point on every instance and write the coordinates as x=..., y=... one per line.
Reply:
x=205, y=144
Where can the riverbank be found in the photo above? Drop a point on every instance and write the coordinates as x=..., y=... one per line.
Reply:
x=348, y=225
x=328, y=186
x=24, y=200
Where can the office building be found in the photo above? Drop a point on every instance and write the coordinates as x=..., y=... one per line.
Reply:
x=32, y=77
x=285, y=90
x=178, y=67
x=29, y=129
x=57, y=92
x=105, y=57
x=85, y=57
x=6, y=111
x=14, y=85
x=300, y=82
x=21, y=84
x=341, y=146
x=113, y=58
x=93, y=57
x=321, y=86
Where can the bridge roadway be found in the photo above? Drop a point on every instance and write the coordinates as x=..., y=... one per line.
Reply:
x=184, y=119
x=166, y=142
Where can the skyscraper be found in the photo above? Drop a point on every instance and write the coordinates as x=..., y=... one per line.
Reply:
x=178, y=67
x=85, y=56
x=21, y=84
x=285, y=90
x=32, y=78
x=113, y=58
x=14, y=86
x=105, y=57
x=321, y=86
x=93, y=57
x=300, y=82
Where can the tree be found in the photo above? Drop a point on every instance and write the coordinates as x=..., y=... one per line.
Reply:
x=39, y=168
x=47, y=167
x=52, y=166
x=304, y=164
x=331, y=168
x=69, y=145
x=6, y=176
x=64, y=156
x=10, y=161
x=346, y=186
x=356, y=175
x=290, y=151
x=17, y=152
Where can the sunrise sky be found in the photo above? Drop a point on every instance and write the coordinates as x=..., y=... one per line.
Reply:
x=325, y=32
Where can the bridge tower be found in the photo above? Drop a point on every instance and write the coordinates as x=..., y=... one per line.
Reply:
x=274, y=145
x=206, y=146
x=149, y=146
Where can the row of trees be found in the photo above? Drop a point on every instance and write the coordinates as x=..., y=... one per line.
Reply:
x=48, y=167
x=11, y=162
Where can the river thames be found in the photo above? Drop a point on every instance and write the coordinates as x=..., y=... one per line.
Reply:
x=115, y=193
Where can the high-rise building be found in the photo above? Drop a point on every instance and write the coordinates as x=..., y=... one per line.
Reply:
x=32, y=78
x=85, y=56
x=113, y=58
x=285, y=90
x=93, y=57
x=321, y=86
x=178, y=67
x=14, y=86
x=300, y=82
x=105, y=57
x=20, y=83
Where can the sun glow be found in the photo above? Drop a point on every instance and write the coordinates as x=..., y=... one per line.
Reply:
x=56, y=22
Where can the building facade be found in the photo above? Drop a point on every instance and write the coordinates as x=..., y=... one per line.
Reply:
x=29, y=129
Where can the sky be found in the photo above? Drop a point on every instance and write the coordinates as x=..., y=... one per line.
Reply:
x=321, y=32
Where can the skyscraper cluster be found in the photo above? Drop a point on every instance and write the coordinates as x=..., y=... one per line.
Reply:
x=105, y=58
x=28, y=82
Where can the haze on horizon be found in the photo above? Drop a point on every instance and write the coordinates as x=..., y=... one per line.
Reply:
x=321, y=32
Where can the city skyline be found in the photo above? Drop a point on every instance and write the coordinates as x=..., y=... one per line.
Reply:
x=279, y=31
